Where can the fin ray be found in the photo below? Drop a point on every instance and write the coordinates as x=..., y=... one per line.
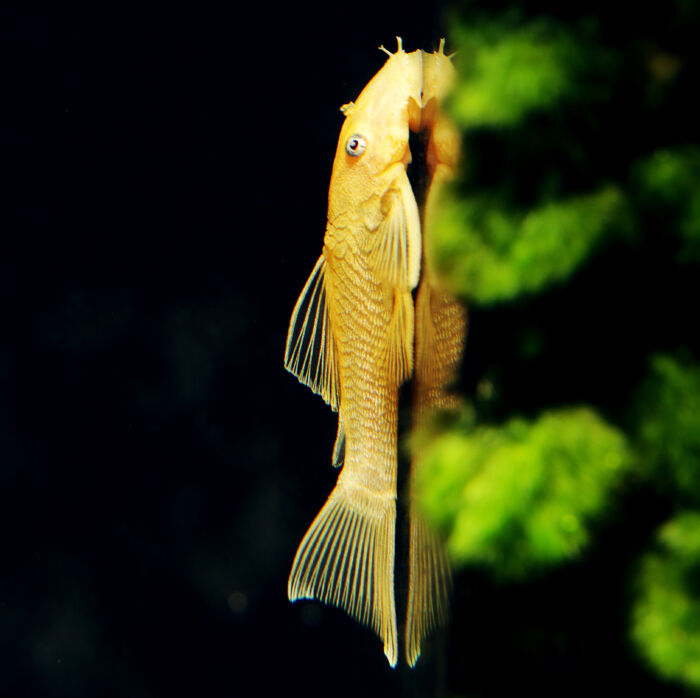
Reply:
x=339, y=446
x=346, y=559
x=395, y=247
x=398, y=352
x=310, y=351
x=429, y=585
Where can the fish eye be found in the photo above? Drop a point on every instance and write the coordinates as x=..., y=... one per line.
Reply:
x=355, y=145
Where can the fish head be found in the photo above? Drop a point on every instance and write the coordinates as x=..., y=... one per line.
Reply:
x=375, y=133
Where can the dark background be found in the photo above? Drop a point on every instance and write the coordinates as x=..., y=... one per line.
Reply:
x=158, y=467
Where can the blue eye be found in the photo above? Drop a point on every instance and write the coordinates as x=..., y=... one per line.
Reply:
x=355, y=145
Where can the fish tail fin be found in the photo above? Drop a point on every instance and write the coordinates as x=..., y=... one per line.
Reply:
x=429, y=585
x=346, y=559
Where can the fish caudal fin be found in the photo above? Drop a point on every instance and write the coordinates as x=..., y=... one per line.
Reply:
x=429, y=585
x=347, y=559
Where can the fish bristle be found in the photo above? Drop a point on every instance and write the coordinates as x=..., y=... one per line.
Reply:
x=399, y=42
x=346, y=559
x=310, y=352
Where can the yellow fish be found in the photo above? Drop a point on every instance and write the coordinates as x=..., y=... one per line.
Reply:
x=351, y=339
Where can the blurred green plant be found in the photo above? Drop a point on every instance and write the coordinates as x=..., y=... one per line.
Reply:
x=519, y=497
x=669, y=181
x=669, y=425
x=666, y=614
x=489, y=254
x=506, y=74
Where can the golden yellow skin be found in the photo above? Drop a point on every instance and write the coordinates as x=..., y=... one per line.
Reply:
x=351, y=339
x=370, y=308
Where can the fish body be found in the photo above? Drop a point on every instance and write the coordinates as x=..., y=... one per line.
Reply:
x=351, y=339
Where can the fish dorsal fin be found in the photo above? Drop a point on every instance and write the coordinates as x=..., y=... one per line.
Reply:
x=310, y=352
x=395, y=246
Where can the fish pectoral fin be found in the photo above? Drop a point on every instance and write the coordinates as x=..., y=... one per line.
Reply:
x=346, y=559
x=429, y=585
x=399, y=348
x=395, y=246
x=339, y=447
x=310, y=351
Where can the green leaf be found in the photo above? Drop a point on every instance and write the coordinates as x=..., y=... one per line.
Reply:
x=522, y=496
x=666, y=612
x=490, y=254
x=505, y=72
x=669, y=424
x=669, y=180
